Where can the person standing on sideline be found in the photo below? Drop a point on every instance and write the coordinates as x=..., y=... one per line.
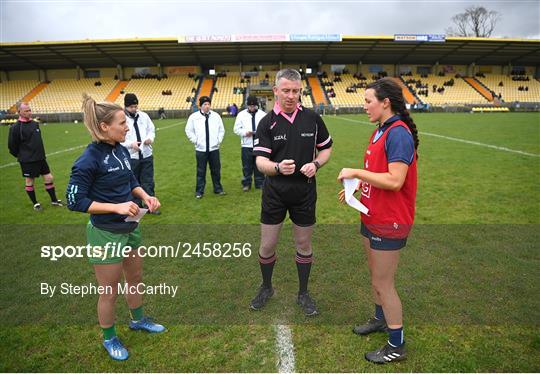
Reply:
x=25, y=143
x=139, y=140
x=102, y=184
x=245, y=126
x=291, y=144
x=388, y=187
x=205, y=130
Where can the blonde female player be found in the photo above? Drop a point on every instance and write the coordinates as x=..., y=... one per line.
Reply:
x=388, y=187
x=103, y=185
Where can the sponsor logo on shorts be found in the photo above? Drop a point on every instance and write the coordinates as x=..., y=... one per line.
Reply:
x=376, y=238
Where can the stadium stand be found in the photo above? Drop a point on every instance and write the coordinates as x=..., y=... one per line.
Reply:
x=232, y=87
x=229, y=91
x=116, y=91
x=481, y=88
x=306, y=99
x=509, y=90
x=443, y=90
x=19, y=63
x=206, y=87
x=317, y=91
x=340, y=84
x=13, y=91
x=65, y=95
x=407, y=94
x=150, y=92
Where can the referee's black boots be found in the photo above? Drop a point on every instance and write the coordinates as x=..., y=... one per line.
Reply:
x=262, y=298
x=307, y=304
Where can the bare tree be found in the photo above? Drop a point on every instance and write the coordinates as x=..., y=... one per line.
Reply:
x=475, y=21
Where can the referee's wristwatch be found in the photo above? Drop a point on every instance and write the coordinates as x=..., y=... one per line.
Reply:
x=276, y=168
x=317, y=165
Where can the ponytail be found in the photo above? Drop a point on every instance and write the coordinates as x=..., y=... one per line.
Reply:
x=406, y=117
x=96, y=113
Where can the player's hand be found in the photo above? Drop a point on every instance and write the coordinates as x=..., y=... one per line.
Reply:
x=346, y=173
x=287, y=167
x=309, y=170
x=148, y=141
x=127, y=209
x=341, y=196
x=152, y=203
x=249, y=134
x=135, y=146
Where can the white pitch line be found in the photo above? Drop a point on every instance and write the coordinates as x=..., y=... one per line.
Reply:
x=80, y=146
x=285, y=349
x=505, y=149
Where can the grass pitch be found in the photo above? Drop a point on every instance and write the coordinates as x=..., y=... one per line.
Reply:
x=467, y=277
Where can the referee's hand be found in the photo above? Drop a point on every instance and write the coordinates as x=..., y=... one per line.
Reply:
x=309, y=170
x=286, y=167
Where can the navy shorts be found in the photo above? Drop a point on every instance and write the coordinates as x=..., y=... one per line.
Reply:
x=285, y=194
x=382, y=244
x=34, y=169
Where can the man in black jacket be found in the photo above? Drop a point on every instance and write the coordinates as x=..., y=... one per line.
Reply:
x=26, y=144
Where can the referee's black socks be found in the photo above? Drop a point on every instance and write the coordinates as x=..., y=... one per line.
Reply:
x=51, y=190
x=267, y=267
x=31, y=194
x=303, y=265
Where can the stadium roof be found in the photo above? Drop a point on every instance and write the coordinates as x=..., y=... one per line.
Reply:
x=351, y=50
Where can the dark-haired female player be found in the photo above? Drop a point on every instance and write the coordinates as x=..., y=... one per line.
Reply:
x=388, y=187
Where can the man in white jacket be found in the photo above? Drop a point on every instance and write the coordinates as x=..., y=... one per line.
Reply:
x=139, y=140
x=245, y=126
x=205, y=130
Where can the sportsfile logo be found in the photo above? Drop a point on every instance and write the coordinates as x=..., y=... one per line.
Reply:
x=118, y=250
x=111, y=249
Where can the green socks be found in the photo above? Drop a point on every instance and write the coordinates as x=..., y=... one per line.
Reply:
x=108, y=332
x=137, y=313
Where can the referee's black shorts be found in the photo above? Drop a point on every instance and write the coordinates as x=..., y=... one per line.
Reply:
x=34, y=169
x=293, y=194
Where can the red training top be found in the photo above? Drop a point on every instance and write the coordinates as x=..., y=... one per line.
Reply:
x=391, y=213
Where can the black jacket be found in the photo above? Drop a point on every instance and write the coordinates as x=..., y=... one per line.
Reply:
x=25, y=142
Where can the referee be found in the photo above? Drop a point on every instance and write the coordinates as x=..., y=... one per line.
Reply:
x=291, y=144
x=25, y=143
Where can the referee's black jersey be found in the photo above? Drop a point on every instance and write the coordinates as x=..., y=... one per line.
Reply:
x=296, y=137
